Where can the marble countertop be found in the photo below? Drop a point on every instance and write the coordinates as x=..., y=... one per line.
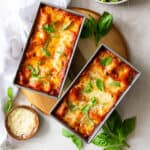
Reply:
x=133, y=21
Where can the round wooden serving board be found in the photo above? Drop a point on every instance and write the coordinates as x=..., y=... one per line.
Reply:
x=113, y=39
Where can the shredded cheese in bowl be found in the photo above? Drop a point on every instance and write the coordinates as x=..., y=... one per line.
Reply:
x=22, y=122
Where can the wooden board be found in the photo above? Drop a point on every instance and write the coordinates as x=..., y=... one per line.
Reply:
x=113, y=39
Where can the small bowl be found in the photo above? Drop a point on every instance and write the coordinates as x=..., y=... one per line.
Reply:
x=112, y=3
x=23, y=136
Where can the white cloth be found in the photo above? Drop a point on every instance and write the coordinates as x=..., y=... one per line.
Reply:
x=15, y=22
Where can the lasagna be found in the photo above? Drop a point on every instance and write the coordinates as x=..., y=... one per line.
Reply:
x=94, y=93
x=49, y=50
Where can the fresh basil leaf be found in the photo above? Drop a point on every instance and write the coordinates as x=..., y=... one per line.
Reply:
x=100, y=84
x=49, y=28
x=105, y=23
x=10, y=93
x=88, y=87
x=77, y=141
x=9, y=103
x=105, y=140
x=95, y=32
x=108, y=142
x=67, y=25
x=93, y=23
x=115, y=83
x=106, y=61
x=8, y=106
x=127, y=127
x=46, y=52
x=105, y=129
x=87, y=29
x=66, y=133
x=114, y=122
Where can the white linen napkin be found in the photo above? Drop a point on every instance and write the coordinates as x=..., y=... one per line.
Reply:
x=15, y=21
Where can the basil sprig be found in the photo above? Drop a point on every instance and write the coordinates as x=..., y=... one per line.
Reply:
x=95, y=28
x=76, y=140
x=10, y=101
x=115, y=132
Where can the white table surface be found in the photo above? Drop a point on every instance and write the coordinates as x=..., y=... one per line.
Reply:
x=133, y=20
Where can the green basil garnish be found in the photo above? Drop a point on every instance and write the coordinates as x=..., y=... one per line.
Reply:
x=49, y=28
x=91, y=103
x=46, y=52
x=71, y=106
x=85, y=109
x=67, y=25
x=88, y=87
x=35, y=71
x=100, y=84
x=44, y=49
x=106, y=61
x=115, y=83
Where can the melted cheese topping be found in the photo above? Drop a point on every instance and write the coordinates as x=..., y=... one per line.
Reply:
x=21, y=122
x=95, y=93
x=49, y=50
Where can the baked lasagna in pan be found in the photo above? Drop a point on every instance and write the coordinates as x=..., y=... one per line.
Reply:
x=94, y=93
x=49, y=50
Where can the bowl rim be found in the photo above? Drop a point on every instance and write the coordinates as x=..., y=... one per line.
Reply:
x=112, y=3
x=34, y=131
